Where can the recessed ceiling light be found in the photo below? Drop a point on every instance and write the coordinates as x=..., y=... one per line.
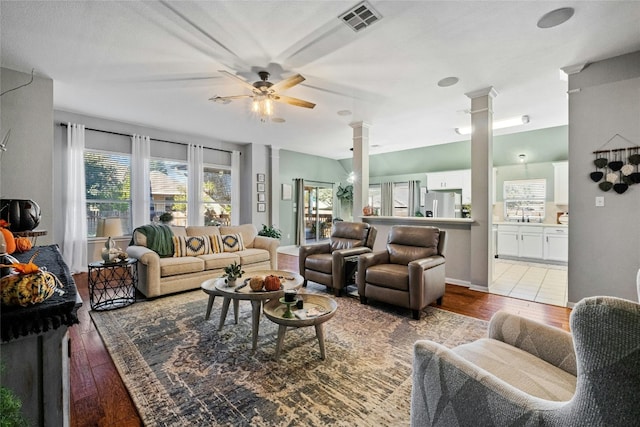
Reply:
x=448, y=81
x=278, y=120
x=344, y=113
x=555, y=17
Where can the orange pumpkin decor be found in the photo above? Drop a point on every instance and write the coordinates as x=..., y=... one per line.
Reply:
x=271, y=283
x=23, y=244
x=9, y=240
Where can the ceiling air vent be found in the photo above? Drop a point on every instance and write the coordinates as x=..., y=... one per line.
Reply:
x=360, y=17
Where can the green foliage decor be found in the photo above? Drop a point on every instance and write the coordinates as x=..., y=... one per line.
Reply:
x=233, y=271
x=270, y=231
x=10, y=408
x=345, y=194
x=166, y=217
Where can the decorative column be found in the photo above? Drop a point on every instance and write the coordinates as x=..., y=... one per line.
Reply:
x=360, y=166
x=481, y=186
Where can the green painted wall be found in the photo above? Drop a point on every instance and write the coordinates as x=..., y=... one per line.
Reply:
x=311, y=168
x=540, y=146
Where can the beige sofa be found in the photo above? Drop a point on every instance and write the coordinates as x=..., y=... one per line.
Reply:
x=160, y=276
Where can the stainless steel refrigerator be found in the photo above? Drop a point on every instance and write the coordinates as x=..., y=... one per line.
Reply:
x=442, y=204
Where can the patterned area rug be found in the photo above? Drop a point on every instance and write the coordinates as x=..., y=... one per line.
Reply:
x=181, y=371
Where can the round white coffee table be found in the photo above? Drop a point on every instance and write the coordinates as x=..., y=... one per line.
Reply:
x=242, y=291
x=274, y=310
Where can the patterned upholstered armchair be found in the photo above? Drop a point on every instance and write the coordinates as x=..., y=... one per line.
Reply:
x=529, y=374
x=324, y=263
x=410, y=273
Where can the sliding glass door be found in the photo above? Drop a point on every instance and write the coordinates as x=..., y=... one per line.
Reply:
x=318, y=212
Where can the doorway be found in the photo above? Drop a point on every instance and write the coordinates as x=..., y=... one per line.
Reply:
x=318, y=212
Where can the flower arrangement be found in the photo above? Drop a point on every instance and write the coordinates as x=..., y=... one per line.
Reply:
x=166, y=217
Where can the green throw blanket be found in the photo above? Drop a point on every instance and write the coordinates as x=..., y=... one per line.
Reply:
x=159, y=238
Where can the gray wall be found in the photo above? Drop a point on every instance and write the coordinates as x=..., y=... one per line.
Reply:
x=604, y=248
x=310, y=168
x=27, y=165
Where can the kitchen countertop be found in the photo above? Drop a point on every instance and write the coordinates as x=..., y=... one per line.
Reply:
x=531, y=224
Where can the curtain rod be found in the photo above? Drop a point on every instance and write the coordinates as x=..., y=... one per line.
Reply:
x=155, y=139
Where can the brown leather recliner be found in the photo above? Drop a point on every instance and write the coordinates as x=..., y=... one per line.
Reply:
x=410, y=273
x=324, y=263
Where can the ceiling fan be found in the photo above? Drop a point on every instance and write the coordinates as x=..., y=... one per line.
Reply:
x=263, y=93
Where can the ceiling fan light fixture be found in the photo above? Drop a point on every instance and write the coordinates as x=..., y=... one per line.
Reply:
x=262, y=106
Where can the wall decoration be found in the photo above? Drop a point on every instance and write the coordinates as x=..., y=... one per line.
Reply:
x=618, y=167
x=261, y=187
x=286, y=191
x=261, y=177
x=261, y=197
x=262, y=207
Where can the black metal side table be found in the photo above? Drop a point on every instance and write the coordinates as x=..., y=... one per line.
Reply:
x=112, y=285
x=350, y=271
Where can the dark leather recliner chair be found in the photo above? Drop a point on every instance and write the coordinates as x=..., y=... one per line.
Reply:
x=410, y=273
x=324, y=263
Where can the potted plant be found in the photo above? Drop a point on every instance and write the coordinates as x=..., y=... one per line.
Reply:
x=232, y=272
x=270, y=231
x=166, y=217
x=345, y=195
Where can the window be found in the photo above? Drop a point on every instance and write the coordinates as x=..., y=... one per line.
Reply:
x=525, y=200
x=108, y=188
x=375, y=197
x=400, y=199
x=216, y=204
x=169, y=189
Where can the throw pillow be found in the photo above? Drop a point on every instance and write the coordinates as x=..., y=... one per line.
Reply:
x=227, y=243
x=191, y=245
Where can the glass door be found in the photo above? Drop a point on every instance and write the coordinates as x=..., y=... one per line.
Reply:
x=318, y=212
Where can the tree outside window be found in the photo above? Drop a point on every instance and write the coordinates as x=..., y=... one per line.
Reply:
x=108, y=188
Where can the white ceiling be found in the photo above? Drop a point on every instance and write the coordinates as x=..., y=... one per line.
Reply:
x=155, y=63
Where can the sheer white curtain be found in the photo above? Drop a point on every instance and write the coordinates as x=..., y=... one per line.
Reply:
x=414, y=198
x=299, y=198
x=74, y=246
x=140, y=185
x=386, y=199
x=195, y=171
x=235, y=187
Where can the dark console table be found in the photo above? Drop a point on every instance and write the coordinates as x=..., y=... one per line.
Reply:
x=35, y=345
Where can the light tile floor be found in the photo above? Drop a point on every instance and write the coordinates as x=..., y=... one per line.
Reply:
x=543, y=283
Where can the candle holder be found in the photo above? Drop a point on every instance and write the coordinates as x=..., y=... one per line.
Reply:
x=288, y=314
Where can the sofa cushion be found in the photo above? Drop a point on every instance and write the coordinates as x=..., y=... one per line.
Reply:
x=253, y=256
x=191, y=245
x=227, y=243
x=248, y=231
x=202, y=230
x=182, y=265
x=217, y=261
x=393, y=276
x=519, y=368
x=319, y=262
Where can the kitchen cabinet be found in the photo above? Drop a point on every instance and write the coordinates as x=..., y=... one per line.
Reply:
x=556, y=244
x=521, y=241
x=452, y=180
x=561, y=183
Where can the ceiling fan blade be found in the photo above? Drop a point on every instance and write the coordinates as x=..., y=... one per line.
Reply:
x=227, y=99
x=293, y=101
x=238, y=80
x=288, y=83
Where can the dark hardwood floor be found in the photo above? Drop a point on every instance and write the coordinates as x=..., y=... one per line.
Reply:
x=99, y=397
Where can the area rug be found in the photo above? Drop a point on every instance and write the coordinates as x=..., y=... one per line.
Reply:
x=181, y=371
